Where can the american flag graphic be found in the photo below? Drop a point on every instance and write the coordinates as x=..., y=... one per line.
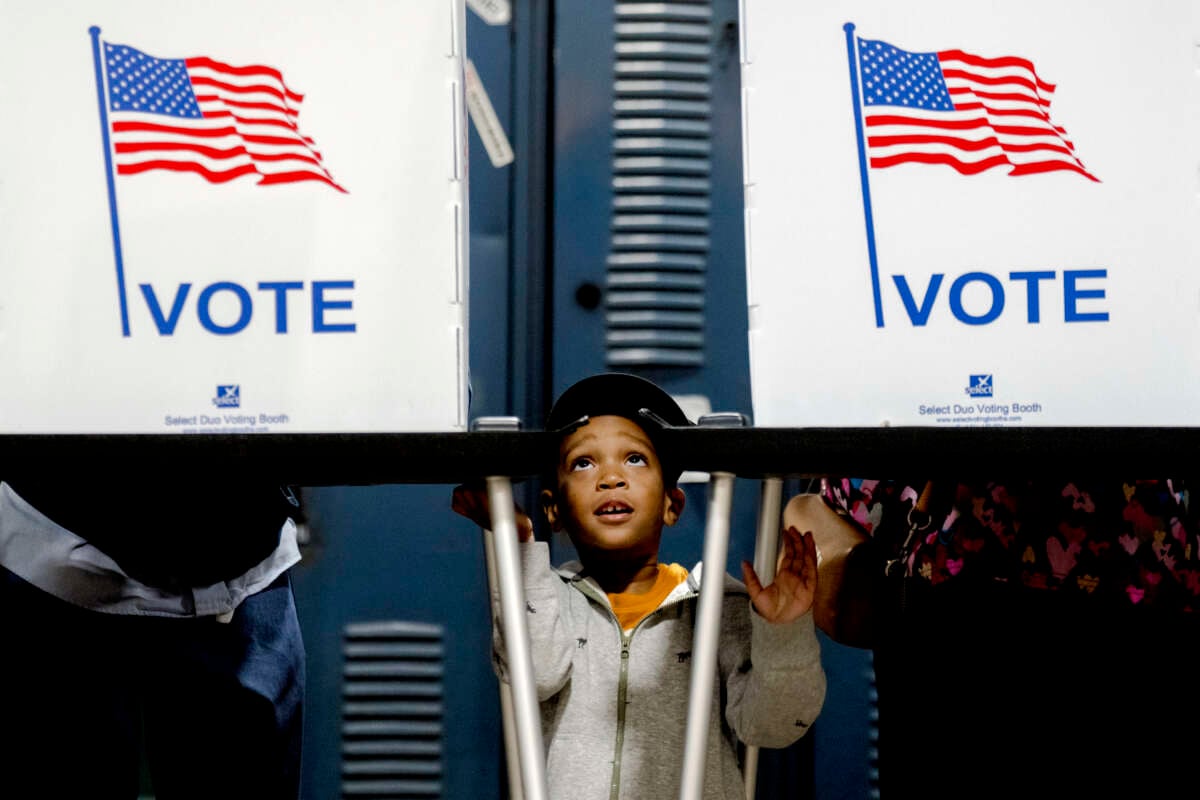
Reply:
x=201, y=115
x=962, y=110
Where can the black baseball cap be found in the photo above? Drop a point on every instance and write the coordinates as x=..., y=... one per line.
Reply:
x=619, y=394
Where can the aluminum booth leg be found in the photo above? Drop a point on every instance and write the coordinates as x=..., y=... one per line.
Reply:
x=526, y=718
x=708, y=631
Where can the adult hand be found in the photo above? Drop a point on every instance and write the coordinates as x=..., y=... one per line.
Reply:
x=791, y=594
x=471, y=501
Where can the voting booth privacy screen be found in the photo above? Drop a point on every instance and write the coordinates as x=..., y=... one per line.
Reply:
x=232, y=217
x=972, y=214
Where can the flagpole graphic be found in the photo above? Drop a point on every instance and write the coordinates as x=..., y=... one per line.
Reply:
x=876, y=291
x=108, y=166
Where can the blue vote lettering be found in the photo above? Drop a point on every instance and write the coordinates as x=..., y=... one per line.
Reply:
x=325, y=301
x=1073, y=294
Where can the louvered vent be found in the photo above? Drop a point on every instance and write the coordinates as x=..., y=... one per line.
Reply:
x=660, y=228
x=392, y=710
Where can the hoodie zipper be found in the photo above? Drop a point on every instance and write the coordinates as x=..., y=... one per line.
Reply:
x=622, y=688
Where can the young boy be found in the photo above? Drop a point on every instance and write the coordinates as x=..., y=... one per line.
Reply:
x=612, y=634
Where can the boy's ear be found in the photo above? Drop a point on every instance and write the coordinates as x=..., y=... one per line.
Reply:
x=673, y=501
x=550, y=509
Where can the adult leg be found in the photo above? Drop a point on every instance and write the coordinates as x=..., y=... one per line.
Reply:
x=223, y=712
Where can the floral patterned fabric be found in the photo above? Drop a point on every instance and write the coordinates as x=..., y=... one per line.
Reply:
x=1128, y=543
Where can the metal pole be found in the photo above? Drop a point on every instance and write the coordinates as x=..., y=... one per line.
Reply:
x=708, y=631
x=511, y=749
x=516, y=639
x=766, y=555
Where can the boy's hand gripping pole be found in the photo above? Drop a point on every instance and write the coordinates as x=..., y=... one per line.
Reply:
x=766, y=555
x=708, y=620
x=518, y=698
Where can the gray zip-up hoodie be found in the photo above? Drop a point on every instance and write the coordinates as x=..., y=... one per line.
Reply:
x=614, y=704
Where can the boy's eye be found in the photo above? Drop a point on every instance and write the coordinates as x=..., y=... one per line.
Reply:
x=637, y=459
x=580, y=463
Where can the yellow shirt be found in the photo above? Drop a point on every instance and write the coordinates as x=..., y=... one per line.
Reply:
x=632, y=607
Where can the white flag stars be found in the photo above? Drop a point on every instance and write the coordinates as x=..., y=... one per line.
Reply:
x=138, y=82
x=895, y=77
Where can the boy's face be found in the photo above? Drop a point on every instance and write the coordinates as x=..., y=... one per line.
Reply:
x=611, y=495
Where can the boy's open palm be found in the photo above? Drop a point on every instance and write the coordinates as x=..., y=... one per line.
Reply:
x=791, y=594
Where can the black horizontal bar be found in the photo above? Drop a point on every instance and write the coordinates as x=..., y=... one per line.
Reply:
x=318, y=459
x=455, y=457
x=1130, y=452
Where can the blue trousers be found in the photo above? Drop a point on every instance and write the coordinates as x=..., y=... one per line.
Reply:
x=217, y=706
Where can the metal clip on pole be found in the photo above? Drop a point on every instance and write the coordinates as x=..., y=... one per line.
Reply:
x=518, y=699
x=766, y=555
x=708, y=618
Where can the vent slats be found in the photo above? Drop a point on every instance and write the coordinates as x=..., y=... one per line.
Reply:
x=666, y=357
x=392, y=710
x=389, y=689
x=660, y=231
x=396, y=748
x=384, y=708
x=655, y=300
x=662, y=107
x=662, y=31
x=662, y=68
x=656, y=318
x=696, y=130
x=663, y=50
x=400, y=650
x=659, y=222
x=662, y=202
x=379, y=727
x=663, y=87
x=641, y=241
x=391, y=768
x=655, y=260
x=658, y=165
x=658, y=280
x=393, y=669
x=663, y=338
x=396, y=789
x=669, y=11
x=661, y=145
x=661, y=183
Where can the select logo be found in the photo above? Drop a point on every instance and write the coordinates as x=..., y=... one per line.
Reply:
x=228, y=396
x=980, y=386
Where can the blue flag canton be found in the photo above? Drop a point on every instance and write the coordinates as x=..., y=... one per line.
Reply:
x=895, y=77
x=138, y=82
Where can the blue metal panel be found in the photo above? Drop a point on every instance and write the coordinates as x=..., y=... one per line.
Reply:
x=632, y=217
x=388, y=553
x=582, y=196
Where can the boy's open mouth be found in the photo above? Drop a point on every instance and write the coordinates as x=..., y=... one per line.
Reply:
x=613, y=508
